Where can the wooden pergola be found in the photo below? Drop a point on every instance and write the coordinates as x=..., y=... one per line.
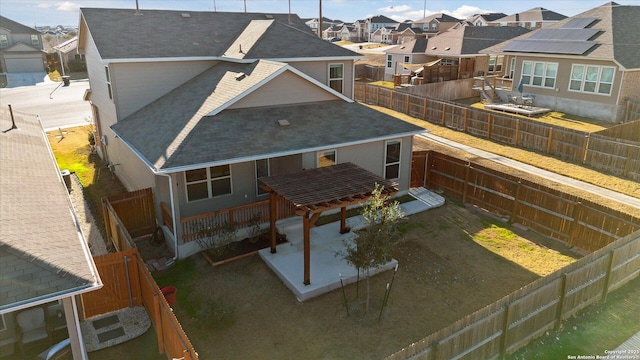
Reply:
x=316, y=190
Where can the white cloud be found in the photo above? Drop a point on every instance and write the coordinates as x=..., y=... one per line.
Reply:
x=67, y=6
x=44, y=5
x=465, y=11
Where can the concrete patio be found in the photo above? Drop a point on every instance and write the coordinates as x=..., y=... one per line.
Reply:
x=327, y=269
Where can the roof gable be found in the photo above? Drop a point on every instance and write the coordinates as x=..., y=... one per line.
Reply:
x=535, y=14
x=16, y=27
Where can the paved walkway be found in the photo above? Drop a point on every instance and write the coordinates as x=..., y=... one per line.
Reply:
x=622, y=198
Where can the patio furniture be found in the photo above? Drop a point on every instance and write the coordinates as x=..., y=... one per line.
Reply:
x=527, y=100
x=59, y=351
x=32, y=326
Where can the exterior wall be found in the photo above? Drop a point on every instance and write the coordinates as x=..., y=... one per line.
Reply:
x=482, y=64
x=288, y=88
x=139, y=84
x=319, y=70
x=630, y=87
x=601, y=107
x=398, y=59
x=14, y=38
x=132, y=172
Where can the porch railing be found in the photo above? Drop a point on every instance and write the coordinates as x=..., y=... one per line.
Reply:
x=240, y=217
x=167, y=216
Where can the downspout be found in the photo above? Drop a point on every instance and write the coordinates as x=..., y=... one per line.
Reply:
x=173, y=219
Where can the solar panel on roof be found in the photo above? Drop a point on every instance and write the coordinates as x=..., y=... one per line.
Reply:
x=579, y=23
x=550, y=47
x=564, y=34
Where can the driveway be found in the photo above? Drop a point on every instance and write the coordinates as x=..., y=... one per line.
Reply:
x=58, y=106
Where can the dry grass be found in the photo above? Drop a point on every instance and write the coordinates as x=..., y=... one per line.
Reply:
x=624, y=186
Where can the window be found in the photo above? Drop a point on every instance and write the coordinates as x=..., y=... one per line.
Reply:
x=448, y=62
x=389, y=61
x=434, y=26
x=4, y=40
x=262, y=170
x=407, y=59
x=327, y=158
x=495, y=64
x=540, y=74
x=106, y=72
x=392, y=160
x=425, y=27
x=336, y=77
x=208, y=182
x=512, y=68
x=35, y=39
x=592, y=79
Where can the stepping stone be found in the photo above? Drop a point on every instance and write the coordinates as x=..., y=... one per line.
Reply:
x=111, y=334
x=109, y=320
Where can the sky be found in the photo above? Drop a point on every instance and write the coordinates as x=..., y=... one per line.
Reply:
x=56, y=12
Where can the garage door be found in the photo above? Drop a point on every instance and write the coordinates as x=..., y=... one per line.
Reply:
x=17, y=64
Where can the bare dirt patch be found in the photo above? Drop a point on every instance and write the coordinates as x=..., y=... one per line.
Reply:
x=242, y=310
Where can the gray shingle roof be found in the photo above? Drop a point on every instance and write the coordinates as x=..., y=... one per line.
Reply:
x=166, y=33
x=16, y=27
x=535, y=14
x=42, y=254
x=415, y=46
x=617, y=39
x=183, y=136
x=469, y=40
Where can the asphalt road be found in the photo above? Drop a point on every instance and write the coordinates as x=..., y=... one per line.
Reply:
x=61, y=108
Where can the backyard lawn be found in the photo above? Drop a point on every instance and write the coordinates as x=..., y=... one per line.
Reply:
x=452, y=261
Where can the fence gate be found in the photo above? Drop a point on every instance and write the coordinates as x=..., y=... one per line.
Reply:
x=418, y=168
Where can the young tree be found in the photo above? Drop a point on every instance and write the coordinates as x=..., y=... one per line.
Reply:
x=373, y=246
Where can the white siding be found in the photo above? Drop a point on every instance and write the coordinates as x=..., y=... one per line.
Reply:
x=319, y=70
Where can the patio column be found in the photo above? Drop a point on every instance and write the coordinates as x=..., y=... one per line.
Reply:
x=343, y=221
x=273, y=209
x=306, y=227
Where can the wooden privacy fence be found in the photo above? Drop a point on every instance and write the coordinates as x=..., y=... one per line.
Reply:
x=127, y=282
x=599, y=152
x=128, y=216
x=562, y=216
x=512, y=322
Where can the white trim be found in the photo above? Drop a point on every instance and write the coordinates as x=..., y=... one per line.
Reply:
x=583, y=80
x=335, y=79
x=384, y=160
x=322, y=152
x=208, y=180
x=255, y=173
x=224, y=58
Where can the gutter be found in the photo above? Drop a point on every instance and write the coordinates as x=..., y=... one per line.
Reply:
x=173, y=220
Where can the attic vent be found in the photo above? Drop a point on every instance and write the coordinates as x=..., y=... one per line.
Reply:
x=185, y=15
x=268, y=16
x=283, y=122
x=433, y=48
x=195, y=43
x=240, y=76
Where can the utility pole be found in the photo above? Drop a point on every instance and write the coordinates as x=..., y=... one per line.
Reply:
x=320, y=22
x=245, y=6
x=424, y=12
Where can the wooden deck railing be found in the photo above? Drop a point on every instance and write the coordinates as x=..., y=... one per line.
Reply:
x=167, y=216
x=240, y=217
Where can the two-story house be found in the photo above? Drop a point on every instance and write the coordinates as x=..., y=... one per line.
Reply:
x=373, y=23
x=202, y=113
x=535, y=18
x=436, y=23
x=21, y=51
x=585, y=65
x=484, y=19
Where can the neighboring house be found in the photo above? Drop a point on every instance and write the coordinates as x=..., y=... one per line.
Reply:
x=436, y=23
x=406, y=58
x=68, y=52
x=200, y=121
x=21, y=50
x=314, y=23
x=585, y=65
x=535, y=18
x=373, y=23
x=44, y=258
x=453, y=54
x=341, y=31
x=484, y=19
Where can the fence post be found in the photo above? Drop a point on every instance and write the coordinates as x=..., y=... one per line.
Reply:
x=107, y=219
x=516, y=133
x=158, y=315
x=424, y=110
x=574, y=224
x=464, y=122
x=627, y=163
x=377, y=96
x=467, y=169
x=561, y=302
x=516, y=196
x=444, y=109
x=607, y=278
x=505, y=330
x=391, y=100
x=489, y=126
x=427, y=171
x=549, y=140
x=408, y=104
x=585, y=148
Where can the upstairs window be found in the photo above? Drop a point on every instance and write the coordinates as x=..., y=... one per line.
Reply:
x=407, y=59
x=389, y=61
x=336, y=77
x=4, y=40
x=208, y=182
x=392, y=160
x=108, y=76
x=327, y=158
x=35, y=39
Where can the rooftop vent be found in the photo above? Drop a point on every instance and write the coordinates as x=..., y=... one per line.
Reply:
x=268, y=16
x=240, y=76
x=447, y=48
x=185, y=15
x=283, y=122
x=434, y=47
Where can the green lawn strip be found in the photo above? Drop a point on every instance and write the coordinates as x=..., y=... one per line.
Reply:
x=599, y=327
